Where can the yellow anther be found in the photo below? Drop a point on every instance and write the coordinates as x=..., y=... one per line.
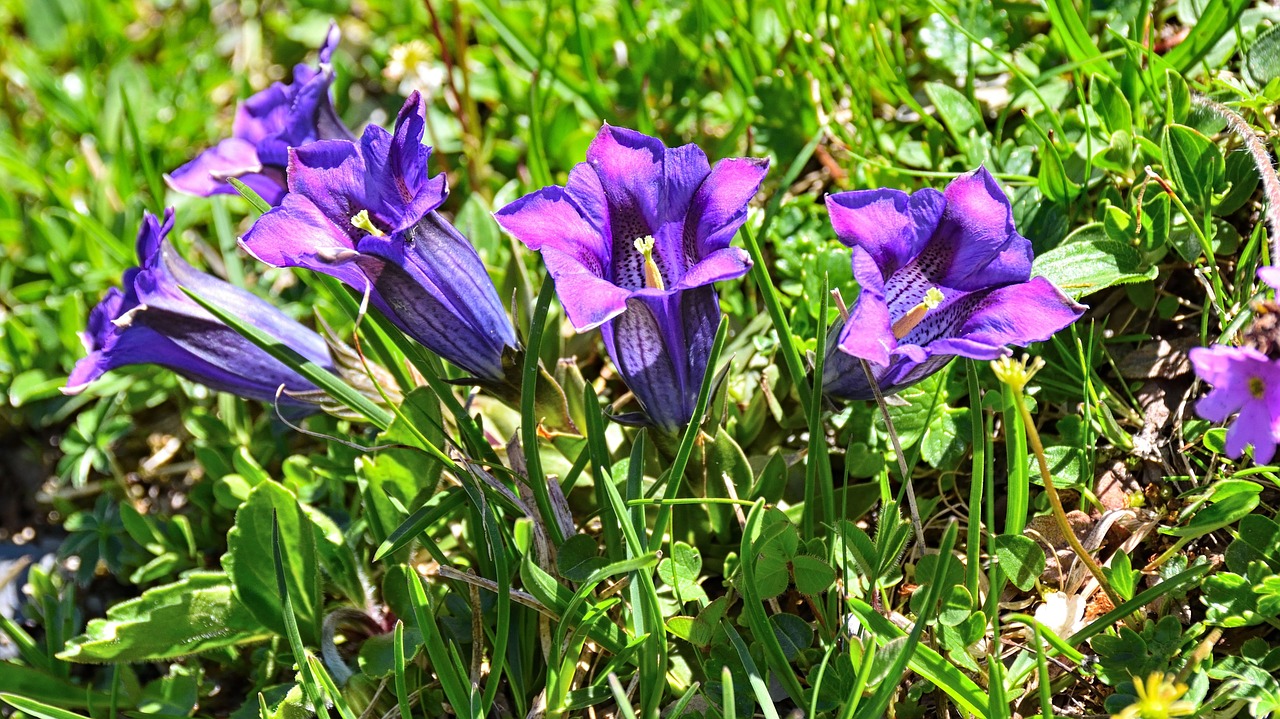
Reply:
x=1016, y=372
x=932, y=299
x=652, y=276
x=362, y=221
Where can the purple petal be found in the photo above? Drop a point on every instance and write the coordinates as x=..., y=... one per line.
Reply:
x=1014, y=315
x=298, y=234
x=1270, y=275
x=869, y=332
x=331, y=174
x=398, y=191
x=331, y=40
x=891, y=226
x=661, y=346
x=724, y=264
x=438, y=289
x=207, y=174
x=1253, y=426
x=720, y=206
x=588, y=300
x=976, y=245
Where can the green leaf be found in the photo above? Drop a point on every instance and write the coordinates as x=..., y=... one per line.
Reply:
x=794, y=634
x=578, y=557
x=197, y=613
x=1221, y=514
x=946, y=438
x=1218, y=18
x=1262, y=60
x=38, y=709
x=1088, y=261
x=1230, y=601
x=1111, y=105
x=1021, y=559
x=1257, y=540
x=957, y=113
x=813, y=575
x=773, y=575
x=681, y=571
x=250, y=564
x=1195, y=163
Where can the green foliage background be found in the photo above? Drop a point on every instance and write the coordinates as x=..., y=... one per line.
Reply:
x=162, y=495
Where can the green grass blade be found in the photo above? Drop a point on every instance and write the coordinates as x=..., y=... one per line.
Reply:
x=1218, y=18
x=309, y=684
x=319, y=376
x=401, y=685
x=529, y=418
x=676, y=473
x=753, y=609
x=38, y=709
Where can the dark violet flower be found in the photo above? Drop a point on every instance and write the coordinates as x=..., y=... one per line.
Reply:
x=1245, y=383
x=366, y=214
x=266, y=126
x=635, y=240
x=152, y=321
x=943, y=274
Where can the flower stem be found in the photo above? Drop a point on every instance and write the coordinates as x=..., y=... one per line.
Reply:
x=1059, y=514
x=897, y=450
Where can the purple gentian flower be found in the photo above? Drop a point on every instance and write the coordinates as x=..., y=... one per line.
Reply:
x=152, y=321
x=266, y=126
x=1245, y=382
x=943, y=274
x=634, y=241
x=366, y=214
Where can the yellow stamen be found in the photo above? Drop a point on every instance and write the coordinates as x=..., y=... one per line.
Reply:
x=915, y=316
x=652, y=276
x=362, y=221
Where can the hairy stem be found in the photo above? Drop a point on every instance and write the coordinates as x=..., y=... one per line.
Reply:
x=1261, y=159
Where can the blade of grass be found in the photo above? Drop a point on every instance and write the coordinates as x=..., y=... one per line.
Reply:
x=319, y=376
x=676, y=474
x=529, y=421
x=401, y=685
x=309, y=685
x=817, y=438
x=753, y=609
x=933, y=594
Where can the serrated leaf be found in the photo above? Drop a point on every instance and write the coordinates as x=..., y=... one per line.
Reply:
x=1021, y=559
x=1088, y=261
x=198, y=613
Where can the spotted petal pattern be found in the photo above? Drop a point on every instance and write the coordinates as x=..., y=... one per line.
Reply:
x=961, y=242
x=632, y=186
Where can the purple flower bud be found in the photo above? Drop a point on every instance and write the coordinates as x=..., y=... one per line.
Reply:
x=152, y=321
x=942, y=275
x=635, y=240
x=366, y=214
x=266, y=126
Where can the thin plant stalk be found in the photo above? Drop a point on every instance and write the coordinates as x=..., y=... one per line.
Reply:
x=897, y=450
x=1016, y=380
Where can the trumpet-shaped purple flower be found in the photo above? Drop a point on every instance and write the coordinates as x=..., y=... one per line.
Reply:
x=366, y=214
x=634, y=241
x=943, y=274
x=266, y=126
x=152, y=321
x=1245, y=383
